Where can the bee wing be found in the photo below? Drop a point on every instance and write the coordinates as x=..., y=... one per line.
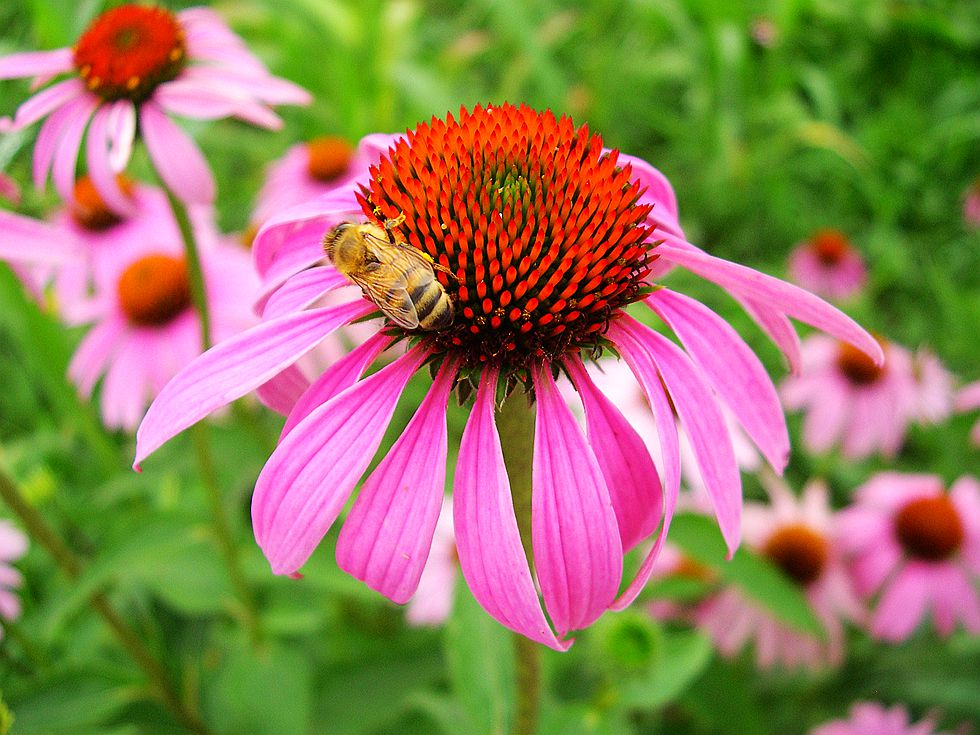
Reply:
x=394, y=302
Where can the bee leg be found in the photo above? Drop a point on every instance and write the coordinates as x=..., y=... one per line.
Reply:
x=391, y=224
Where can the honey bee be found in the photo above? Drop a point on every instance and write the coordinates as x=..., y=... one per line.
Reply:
x=400, y=279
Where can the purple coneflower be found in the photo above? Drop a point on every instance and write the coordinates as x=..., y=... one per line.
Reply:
x=548, y=237
x=13, y=545
x=433, y=600
x=132, y=67
x=828, y=264
x=871, y=718
x=918, y=548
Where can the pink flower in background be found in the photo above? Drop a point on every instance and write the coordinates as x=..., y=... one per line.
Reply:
x=968, y=399
x=433, y=600
x=971, y=205
x=935, y=388
x=828, y=265
x=13, y=545
x=9, y=190
x=871, y=718
x=797, y=536
x=543, y=263
x=849, y=399
x=132, y=67
x=918, y=548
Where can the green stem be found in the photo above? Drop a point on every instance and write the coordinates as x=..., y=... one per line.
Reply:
x=71, y=565
x=195, y=274
x=515, y=423
x=222, y=530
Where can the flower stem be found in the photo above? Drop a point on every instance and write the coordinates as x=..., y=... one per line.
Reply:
x=222, y=530
x=515, y=423
x=71, y=565
x=195, y=274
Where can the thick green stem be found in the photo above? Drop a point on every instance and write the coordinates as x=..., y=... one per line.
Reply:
x=222, y=531
x=515, y=423
x=71, y=565
x=195, y=274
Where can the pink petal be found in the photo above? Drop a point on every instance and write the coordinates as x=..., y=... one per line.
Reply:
x=99, y=169
x=488, y=542
x=657, y=186
x=778, y=328
x=785, y=297
x=66, y=152
x=51, y=134
x=27, y=240
x=283, y=391
x=36, y=63
x=234, y=367
x=92, y=355
x=386, y=537
x=731, y=367
x=704, y=424
x=309, y=477
x=577, y=552
x=121, y=131
x=645, y=370
x=176, y=157
x=902, y=604
x=336, y=379
x=629, y=472
x=826, y=419
x=46, y=102
x=302, y=290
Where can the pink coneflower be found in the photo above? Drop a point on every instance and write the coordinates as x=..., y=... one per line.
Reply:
x=918, y=548
x=548, y=237
x=849, y=398
x=132, y=67
x=433, y=600
x=935, y=388
x=871, y=718
x=968, y=399
x=828, y=264
x=13, y=545
x=796, y=535
x=971, y=205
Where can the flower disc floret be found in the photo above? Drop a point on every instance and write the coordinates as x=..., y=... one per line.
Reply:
x=800, y=551
x=128, y=51
x=539, y=227
x=929, y=528
x=90, y=210
x=154, y=290
x=830, y=246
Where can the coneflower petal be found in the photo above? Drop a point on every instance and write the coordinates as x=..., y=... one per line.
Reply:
x=778, y=328
x=386, y=537
x=283, y=391
x=99, y=168
x=577, y=552
x=176, y=156
x=302, y=290
x=491, y=556
x=66, y=152
x=903, y=603
x=732, y=368
x=92, y=355
x=631, y=477
x=35, y=63
x=121, y=133
x=51, y=134
x=46, y=102
x=236, y=366
x=27, y=240
x=313, y=471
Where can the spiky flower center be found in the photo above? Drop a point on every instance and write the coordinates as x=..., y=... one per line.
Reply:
x=128, y=51
x=929, y=528
x=88, y=208
x=328, y=158
x=800, y=551
x=857, y=367
x=540, y=229
x=154, y=290
x=830, y=246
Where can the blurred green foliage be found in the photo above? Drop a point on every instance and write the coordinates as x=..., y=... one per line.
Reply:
x=771, y=119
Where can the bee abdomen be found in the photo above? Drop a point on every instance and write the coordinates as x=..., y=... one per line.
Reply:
x=432, y=304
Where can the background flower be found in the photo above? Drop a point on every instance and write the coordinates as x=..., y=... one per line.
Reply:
x=13, y=545
x=828, y=265
x=871, y=718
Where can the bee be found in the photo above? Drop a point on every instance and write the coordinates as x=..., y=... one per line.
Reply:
x=400, y=279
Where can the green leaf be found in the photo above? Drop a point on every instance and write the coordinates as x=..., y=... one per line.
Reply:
x=68, y=704
x=480, y=658
x=699, y=538
x=682, y=658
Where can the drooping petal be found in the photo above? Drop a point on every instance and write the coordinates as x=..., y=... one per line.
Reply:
x=903, y=603
x=46, y=102
x=313, y=471
x=92, y=355
x=176, y=156
x=52, y=132
x=121, y=132
x=629, y=472
x=35, y=63
x=283, y=391
x=488, y=542
x=577, y=552
x=234, y=367
x=302, y=290
x=732, y=368
x=66, y=151
x=778, y=328
x=386, y=537
x=785, y=297
x=27, y=240
x=336, y=379
x=99, y=168
x=704, y=424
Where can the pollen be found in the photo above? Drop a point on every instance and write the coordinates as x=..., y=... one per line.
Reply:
x=328, y=158
x=857, y=367
x=128, y=51
x=540, y=229
x=830, y=246
x=929, y=528
x=88, y=208
x=799, y=551
x=154, y=290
